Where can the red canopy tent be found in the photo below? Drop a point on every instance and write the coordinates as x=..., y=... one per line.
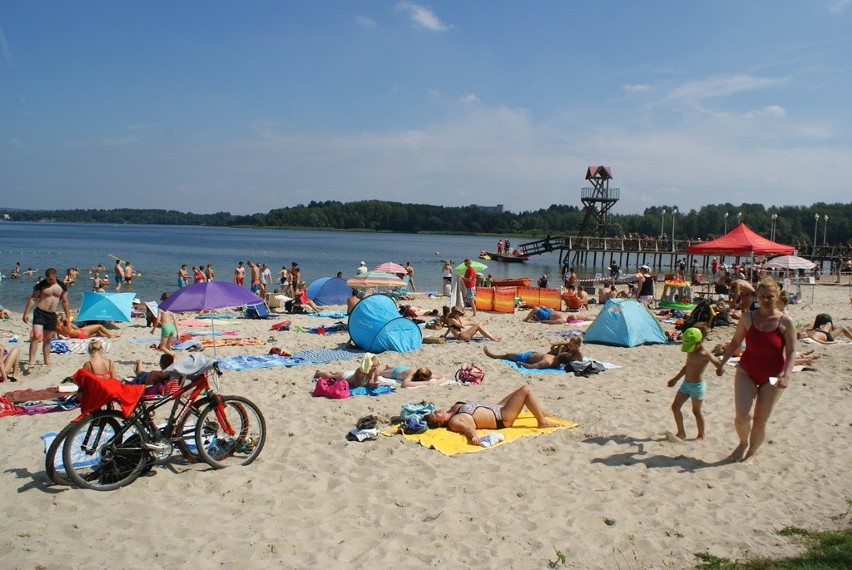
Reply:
x=740, y=241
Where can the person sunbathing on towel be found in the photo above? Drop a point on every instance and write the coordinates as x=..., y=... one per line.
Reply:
x=467, y=417
x=9, y=365
x=548, y=316
x=824, y=331
x=533, y=360
x=68, y=329
x=409, y=377
x=366, y=374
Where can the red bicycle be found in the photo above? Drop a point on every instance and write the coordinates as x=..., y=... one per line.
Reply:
x=104, y=449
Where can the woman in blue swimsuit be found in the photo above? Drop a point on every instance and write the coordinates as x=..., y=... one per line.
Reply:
x=467, y=417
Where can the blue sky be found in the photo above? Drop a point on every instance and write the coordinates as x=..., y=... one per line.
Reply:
x=248, y=106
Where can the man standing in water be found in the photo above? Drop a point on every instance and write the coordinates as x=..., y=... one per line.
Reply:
x=47, y=294
x=239, y=274
x=119, y=275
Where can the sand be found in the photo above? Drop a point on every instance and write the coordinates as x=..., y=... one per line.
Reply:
x=614, y=492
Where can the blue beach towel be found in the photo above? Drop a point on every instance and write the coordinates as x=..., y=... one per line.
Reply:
x=371, y=391
x=254, y=361
x=326, y=355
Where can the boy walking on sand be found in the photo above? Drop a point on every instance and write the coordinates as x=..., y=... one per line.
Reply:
x=693, y=386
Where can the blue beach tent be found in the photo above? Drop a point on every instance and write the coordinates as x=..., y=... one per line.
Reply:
x=329, y=291
x=375, y=325
x=625, y=322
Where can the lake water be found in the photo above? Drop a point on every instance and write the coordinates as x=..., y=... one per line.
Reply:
x=158, y=251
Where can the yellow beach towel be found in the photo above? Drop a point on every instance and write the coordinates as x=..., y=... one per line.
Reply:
x=451, y=443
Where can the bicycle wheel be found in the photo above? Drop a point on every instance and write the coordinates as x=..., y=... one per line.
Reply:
x=54, y=463
x=54, y=466
x=184, y=432
x=220, y=447
x=100, y=457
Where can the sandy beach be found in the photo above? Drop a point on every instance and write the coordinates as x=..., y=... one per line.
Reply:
x=613, y=492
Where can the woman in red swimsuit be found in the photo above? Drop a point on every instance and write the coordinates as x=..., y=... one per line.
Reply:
x=770, y=338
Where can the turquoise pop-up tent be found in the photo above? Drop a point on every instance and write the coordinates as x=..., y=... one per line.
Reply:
x=625, y=322
x=375, y=325
x=329, y=291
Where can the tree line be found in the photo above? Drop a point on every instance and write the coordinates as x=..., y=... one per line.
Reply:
x=829, y=223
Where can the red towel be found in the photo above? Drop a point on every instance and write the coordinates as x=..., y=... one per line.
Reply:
x=97, y=392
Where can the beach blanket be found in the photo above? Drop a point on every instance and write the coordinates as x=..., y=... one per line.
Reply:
x=326, y=355
x=76, y=345
x=330, y=314
x=251, y=341
x=451, y=443
x=254, y=361
x=321, y=329
x=808, y=340
x=203, y=322
x=372, y=390
x=522, y=370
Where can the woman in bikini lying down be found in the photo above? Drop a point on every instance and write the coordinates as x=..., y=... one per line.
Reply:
x=68, y=329
x=466, y=417
x=410, y=377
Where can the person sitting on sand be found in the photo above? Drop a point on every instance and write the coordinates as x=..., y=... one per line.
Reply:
x=548, y=316
x=531, y=359
x=467, y=417
x=5, y=313
x=410, y=377
x=68, y=329
x=9, y=365
x=366, y=374
x=352, y=300
x=824, y=330
x=300, y=297
x=98, y=364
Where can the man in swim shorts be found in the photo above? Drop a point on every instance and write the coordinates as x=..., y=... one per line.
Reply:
x=47, y=294
x=533, y=360
x=548, y=316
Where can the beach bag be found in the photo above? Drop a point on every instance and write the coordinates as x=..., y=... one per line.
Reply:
x=414, y=424
x=416, y=409
x=584, y=368
x=470, y=374
x=331, y=388
x=702, y=313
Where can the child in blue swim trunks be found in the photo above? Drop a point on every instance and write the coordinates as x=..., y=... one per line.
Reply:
x=693, y=386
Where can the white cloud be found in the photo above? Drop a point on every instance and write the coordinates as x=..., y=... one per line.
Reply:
x=469, y=98
x=5, y=54
x=365, y=22
x=422, y=16
x=838, y=6
x=637, y=87
x=775, y=111
x=17, y=143
x=696, y=91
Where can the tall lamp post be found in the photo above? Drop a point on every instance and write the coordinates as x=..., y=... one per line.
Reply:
x=816, y=225
x=739, y=217
x=774, y=221
x=662, y=222
x=674, y=214
x=825, y=230
x=726, y=222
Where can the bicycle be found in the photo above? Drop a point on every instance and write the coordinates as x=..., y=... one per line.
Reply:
x=106, y=449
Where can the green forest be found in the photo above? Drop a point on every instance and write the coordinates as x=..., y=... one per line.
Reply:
x=828, y=223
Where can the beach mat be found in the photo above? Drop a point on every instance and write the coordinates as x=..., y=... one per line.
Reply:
x=451, y=443
x=326, y=355
x=522, y=370
x=255, y=361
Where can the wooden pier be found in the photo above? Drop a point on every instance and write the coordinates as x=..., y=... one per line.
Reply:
x=630, y=253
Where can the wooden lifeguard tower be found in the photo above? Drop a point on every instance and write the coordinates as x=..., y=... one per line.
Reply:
x=598, y=201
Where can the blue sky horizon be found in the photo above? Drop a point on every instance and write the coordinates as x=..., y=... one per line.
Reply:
x=245, y=107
